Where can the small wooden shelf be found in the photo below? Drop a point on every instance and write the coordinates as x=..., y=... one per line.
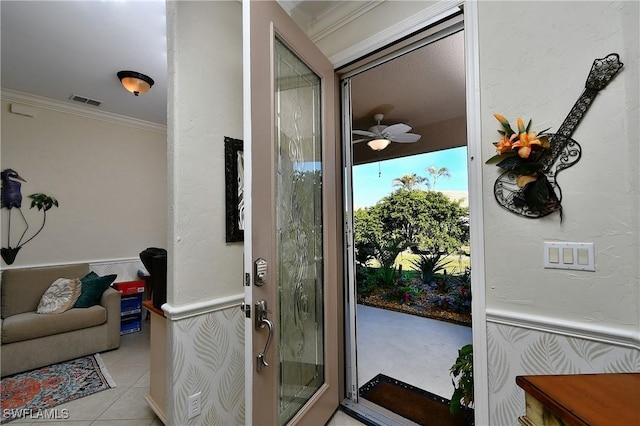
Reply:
x=581, y=399
x=148, y=304
x=157, y=397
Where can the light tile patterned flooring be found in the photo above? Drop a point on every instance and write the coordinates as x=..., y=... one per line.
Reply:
x=129, y=366
x=125, y=405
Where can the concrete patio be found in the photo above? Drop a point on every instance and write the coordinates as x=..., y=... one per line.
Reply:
x=416, y=350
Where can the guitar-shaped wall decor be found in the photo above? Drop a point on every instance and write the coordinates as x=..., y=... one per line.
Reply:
x=564, y=152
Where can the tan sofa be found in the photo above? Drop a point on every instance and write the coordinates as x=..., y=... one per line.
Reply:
x=31, y=340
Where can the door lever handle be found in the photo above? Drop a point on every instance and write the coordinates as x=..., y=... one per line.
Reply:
x=262, y=360
x=261, y=321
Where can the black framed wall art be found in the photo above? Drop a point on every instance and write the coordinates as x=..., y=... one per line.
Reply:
x=234, y=189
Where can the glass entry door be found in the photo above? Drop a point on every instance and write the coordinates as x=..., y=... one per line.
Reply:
x=291, y=247
x=299, y=245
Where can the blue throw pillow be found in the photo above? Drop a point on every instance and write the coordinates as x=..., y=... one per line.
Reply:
x=93, y=286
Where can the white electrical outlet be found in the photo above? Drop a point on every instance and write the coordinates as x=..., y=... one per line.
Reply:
x=193, y=403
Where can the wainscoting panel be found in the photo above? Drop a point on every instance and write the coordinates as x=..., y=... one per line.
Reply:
x=514, y=350
x=127, y=269
x=207, y=356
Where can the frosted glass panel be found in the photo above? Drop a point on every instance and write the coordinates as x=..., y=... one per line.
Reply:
x=298, y=167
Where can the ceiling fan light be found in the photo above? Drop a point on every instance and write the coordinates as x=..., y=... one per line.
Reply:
x=378, y=144
x=135, y=82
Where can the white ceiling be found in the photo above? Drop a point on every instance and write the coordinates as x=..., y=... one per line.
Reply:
x=420, y=88
x=424, y=89
x=56, y=49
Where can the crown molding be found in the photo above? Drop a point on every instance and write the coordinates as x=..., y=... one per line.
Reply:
x=337, y=17
x=10, y=95
x=414, y=23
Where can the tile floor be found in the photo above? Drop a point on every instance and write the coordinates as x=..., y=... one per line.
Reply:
x=123, y=405
x=422, y=351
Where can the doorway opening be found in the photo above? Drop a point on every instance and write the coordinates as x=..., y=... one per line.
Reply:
x=409, y=300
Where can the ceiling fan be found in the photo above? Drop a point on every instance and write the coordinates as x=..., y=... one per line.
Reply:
x=380, y=136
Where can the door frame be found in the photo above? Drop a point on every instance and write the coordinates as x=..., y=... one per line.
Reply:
x=399, y=31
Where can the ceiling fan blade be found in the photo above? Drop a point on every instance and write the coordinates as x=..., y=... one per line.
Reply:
x=396, y=129
x=361, y=140
x=405, y=138
x=363, y=133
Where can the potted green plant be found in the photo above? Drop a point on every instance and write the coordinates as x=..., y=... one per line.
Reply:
x=462, y=372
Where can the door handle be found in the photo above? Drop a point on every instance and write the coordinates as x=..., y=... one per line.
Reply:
x=261, y=321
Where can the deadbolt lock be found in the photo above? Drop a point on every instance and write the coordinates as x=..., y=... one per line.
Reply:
x=260, y=271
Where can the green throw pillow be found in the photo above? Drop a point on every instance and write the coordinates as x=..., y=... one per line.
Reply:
x=93, y=286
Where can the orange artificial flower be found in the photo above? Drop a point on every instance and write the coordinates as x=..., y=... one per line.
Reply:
x=501, y=119
x=525, y=141
x=505, y=124
x=506, y=143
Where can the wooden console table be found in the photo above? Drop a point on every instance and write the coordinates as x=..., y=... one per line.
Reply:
x=581, y=399
x=157, y=397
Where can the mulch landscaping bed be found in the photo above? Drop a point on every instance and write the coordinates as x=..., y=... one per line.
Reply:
x=420, y=307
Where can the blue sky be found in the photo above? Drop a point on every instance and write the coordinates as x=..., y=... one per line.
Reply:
x=373, y=181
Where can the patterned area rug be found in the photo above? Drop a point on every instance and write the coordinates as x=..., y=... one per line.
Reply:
x=34, y=393
x=413, y=403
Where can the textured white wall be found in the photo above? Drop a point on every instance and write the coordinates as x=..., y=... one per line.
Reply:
x=204, y=42
x=110, y=180
x=205, y=105
x=534, y=60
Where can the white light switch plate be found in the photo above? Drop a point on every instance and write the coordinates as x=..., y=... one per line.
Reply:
x=579, y=256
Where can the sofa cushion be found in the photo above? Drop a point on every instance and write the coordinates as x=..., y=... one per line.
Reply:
x=30, y=325
x=60, y=296
x=22, y=288
x=93, y=286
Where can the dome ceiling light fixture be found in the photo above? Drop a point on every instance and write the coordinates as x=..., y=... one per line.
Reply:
x=378, y=144
x=135, y=82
